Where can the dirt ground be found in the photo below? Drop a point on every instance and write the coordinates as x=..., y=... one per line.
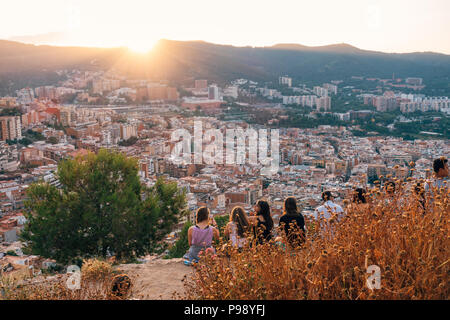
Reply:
x=157, y=278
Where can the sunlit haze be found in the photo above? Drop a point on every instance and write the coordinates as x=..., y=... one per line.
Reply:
x=383, y=25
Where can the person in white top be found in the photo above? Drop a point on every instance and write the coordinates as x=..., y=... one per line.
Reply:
x=328, y=208
x=440, y=168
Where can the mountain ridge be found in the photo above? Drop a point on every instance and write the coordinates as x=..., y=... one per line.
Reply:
x=333, y=47
x=184, y=61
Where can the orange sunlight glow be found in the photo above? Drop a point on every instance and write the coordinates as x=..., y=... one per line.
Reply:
x=141, y=46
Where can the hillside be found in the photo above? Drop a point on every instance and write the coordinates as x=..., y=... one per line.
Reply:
x=186, y=60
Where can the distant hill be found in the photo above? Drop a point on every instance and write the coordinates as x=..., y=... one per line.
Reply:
x=187, y=60
x=19, y=57
x=341, y=48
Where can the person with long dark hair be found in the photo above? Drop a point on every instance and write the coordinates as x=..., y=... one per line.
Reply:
x=359, y=196
x=262, y=222
x=293, y=222
x=359, y=202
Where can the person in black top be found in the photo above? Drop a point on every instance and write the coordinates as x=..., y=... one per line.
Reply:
x=293, y=223
x=359, y=196
x=263, y=223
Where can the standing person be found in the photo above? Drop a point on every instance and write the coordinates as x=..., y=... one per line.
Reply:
x=293, y=222
x=440, y=168
x=201, y=235
x=262, y=222
x=328, y=207
x=236, y=229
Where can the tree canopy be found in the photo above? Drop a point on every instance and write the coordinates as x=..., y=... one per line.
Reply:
x=101, y=208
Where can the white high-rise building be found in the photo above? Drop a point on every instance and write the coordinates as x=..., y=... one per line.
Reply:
x=321, y=92
x=127, y=131
x=323, y=104
x=25, y=96
x=213, y=92
x=10, y=128
x=330, y=87
x=285, y=81
x=231, y=91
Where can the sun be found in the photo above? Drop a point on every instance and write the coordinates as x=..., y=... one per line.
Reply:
x=142, y=45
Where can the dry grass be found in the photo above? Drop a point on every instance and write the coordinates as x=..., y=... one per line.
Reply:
x=95, y=269
x=409, y=244
x=96, y=283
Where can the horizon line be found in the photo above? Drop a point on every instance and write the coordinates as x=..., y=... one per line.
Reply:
x=273, y=46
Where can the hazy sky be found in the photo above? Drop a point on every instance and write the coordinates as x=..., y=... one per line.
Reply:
x=384, y=25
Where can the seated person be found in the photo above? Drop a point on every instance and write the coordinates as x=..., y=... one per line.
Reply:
x=237, y=227
x=201, y=235
x=293, y=223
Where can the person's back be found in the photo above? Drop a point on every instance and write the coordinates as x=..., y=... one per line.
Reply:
x=436, y=183
x=263, y=232
x=294, y=226
x=201, y=235
x=440, y=179
x=237, y=227
x=236, y=240
x=293, y=223
x=329, y=208
x=262, y=222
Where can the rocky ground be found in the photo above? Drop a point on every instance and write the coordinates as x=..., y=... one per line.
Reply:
x=153, y=278
x=156, y=278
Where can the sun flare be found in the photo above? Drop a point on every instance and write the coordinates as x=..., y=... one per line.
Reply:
x=141, y=46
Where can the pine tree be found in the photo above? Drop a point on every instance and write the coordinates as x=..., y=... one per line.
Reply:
x=101, y=208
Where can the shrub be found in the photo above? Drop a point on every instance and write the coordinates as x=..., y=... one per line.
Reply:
x=98, y=282
x=95, y=269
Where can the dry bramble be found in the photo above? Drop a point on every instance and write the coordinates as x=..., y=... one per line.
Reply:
x=408, y=240
x=98, y=282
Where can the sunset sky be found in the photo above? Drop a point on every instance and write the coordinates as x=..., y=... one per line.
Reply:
x=382, y=25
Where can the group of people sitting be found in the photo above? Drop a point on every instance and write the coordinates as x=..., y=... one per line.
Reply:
x=258, y=226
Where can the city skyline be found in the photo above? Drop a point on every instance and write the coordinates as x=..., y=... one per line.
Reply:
x=369, y=25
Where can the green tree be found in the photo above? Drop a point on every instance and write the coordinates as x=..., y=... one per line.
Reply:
x=372, y=179
x=10, y=112
x=129, y=142
x=222, y=221
x=181, y=246
x=100, y=209
x=53, y=140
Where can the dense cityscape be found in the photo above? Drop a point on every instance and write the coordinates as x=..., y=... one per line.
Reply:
x=339, y=142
